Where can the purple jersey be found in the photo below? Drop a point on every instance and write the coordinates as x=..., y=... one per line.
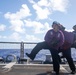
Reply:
x=69, y=39
x=69, y=36
x=57, y=38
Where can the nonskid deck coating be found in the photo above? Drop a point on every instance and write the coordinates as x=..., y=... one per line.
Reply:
x=35, y=69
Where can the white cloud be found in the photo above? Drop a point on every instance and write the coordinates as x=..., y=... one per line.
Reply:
x=32, y=38
x=22, y=13
x=69, y=30
x=44, y=8
x=37, y=26
x=43, y=3
x=2, y=38
x=16, y=19
x=17, y=25
x=59, y=5
x=32, y=1
x=15, y=36
x=2, y=27
x=41, y=13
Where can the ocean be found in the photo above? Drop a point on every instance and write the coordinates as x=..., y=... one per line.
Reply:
x=40, y=56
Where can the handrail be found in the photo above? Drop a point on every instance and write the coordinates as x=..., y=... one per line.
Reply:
x=20, y=42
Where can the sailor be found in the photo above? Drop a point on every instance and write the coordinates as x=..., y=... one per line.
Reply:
x=54, y=39
x=74, y=44
x=66, y=48
x=74, y=28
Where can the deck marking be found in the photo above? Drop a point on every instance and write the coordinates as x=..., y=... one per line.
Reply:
x=8, y=67
x=63, y=69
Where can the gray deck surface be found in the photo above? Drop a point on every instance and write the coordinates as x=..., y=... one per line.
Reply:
x=35, y=69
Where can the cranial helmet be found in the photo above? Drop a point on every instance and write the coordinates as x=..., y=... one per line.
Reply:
x=56, y=23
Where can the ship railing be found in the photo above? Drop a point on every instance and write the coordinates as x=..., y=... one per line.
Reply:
x=21, y=46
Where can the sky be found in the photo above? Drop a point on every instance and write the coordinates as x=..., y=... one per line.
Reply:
x=29, y=20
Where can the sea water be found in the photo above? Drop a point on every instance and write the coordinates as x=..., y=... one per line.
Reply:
x=40, y=56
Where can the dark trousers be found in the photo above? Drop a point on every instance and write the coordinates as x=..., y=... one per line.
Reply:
x=67, y=55
x=54, y=53
x=55, y=56
x=74, y=44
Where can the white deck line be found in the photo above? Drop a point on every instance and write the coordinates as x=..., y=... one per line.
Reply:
x=9, y=65
x=63, y=69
